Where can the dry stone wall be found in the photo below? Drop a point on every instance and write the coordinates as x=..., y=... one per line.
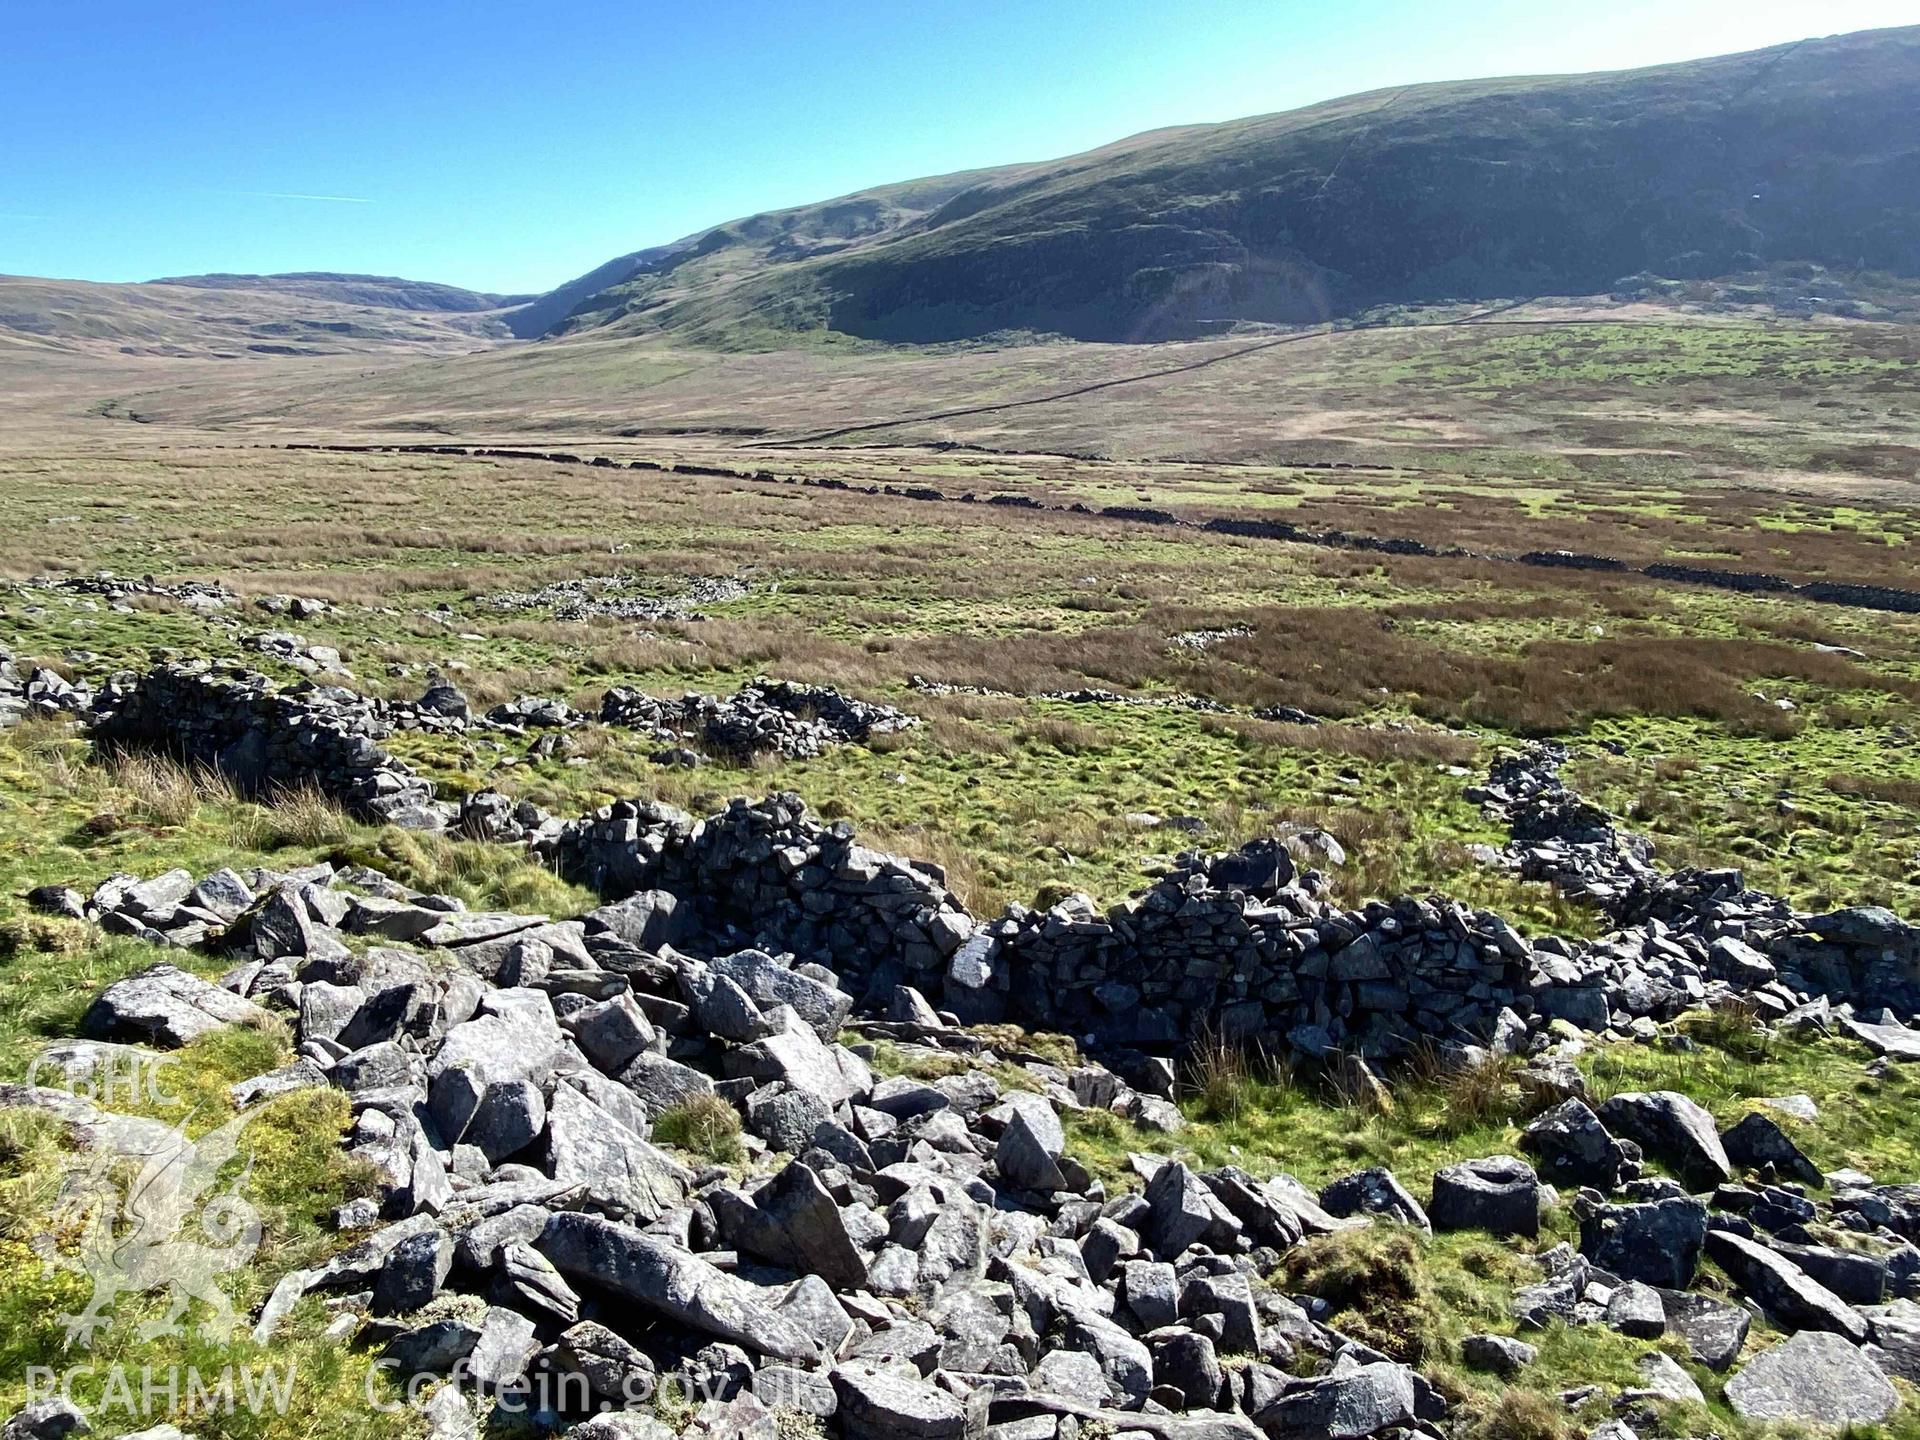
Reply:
x=267, y=738
x=1244, y=944
x=1830, y=592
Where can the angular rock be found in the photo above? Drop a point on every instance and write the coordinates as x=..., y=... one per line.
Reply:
x=164, y=1005
x=505, y=1347
x=796, y=1056
x=768, y=983
x=1364, y=1401
x=1181, y=1213
x=1790, y=1297
x=615, y=1370
x=611, y=1033
x=879, y=1403
x=673, y=1283
x=1374, y=1192
x=1662, y=1378
x=1815, y=1376
x=1757, y=1140
x=1636, y=1309
x=1674, y=1130
x=1498, y=1354
x=1022, y=1157
x=413, y=1273
x=1573, y=1147
x=1656, y=1242
x=620, y=1172
x=1714, y=1330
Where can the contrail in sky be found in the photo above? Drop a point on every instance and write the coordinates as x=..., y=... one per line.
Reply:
x=295, y=195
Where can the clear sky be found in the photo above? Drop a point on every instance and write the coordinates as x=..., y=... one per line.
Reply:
x=512, y=144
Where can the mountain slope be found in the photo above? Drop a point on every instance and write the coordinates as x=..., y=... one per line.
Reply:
x=1461, y=191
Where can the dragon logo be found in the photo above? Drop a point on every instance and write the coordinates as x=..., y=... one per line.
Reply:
x=160, y=1232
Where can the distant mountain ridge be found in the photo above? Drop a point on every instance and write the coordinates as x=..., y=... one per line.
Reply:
x=232, y=317
x=1443, y=192
x=386, y=291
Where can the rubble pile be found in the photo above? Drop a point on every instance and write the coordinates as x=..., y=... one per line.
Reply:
x=763, y=717
x=39, y=692
x=611, y=597
x=119, y=590
x=1559, y=837
x=895, y=1256
x=1782, y=960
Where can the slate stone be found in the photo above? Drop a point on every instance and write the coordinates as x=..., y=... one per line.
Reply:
x=796, y=1056
x=1186, y=1361
x=1127, y=1364
x=1788, y=1295
x=660, y=1083
x=1815, y=1376
x=1656, y=1242
x=1675, y=1131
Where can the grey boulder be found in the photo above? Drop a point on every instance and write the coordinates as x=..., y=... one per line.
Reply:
x=1816, y=1376
x=164, y=1005
x=1675, y=1131
x=1499, y=1194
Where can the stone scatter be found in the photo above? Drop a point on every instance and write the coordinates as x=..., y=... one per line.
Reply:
x=658, y=1138
x=902, y=1256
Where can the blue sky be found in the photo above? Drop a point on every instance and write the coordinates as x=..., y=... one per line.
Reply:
x=512, y=144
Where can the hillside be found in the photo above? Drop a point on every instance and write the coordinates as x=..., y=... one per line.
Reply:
x=1461, y=191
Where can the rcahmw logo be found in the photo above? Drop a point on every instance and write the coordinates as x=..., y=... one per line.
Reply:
x=164, y=1390
x=168, y=1228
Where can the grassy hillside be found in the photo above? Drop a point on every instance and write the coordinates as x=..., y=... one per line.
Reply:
x=1468, y=190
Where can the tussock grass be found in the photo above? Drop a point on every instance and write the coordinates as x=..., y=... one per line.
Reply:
x=165, y=791
x=702, y=1125
x=1378, y=1283
x=300, y=817
x=1516, y=1415
x=486, y=876
x=1220, y=1076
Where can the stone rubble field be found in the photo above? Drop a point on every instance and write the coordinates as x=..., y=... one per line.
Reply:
x=913, y=1256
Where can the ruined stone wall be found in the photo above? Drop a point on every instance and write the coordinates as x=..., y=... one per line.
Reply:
x=1243, y=945
x=265, y=738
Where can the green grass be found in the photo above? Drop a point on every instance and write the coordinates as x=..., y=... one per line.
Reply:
x=705, y=1126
